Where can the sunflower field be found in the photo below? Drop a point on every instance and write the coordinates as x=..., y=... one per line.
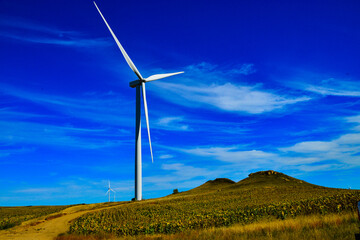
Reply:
x=173, y=216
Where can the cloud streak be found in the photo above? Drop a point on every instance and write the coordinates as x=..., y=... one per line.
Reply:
x=95, y=108
x=31, y=32
x=205, y=86
x=230, y=97
x=180, y=175
x=21, y=132
x=172, y=124
x=341, y=152
x=21, y=126
x=326, y=86
x=334, y=91
x=244, y=69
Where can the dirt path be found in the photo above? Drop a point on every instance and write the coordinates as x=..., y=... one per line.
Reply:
x=41, y=229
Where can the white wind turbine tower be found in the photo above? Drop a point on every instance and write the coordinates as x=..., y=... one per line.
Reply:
x=110, y=190
x=140, y=83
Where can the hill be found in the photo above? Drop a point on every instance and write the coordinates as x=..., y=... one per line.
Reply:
x=221, y=202
x=276, y=185
x=265, y=195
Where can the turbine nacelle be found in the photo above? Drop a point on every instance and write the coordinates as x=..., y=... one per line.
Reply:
x=135, y=83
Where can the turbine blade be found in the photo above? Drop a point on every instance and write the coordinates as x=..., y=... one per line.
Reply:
x=107, y=192
x=147, y=118
x=160, y=76
x=113, y=190
x=127, y=58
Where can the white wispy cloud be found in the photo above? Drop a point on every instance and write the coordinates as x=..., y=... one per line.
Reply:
x=230, y=97
x=356, y=121
x=257, y=159
x=166, y=156
x=325, y=85
x=203, y=85
x=340, y=152
x=232, y=154
x=181, y=175
x=38, y=190
x=102, y=109
x=322, y=167
x=172, y=123
x=106, y=127
x=13, y=113
x=345, y=149
x=76, y=189
x=7, y=149
x=311, y=147
x=22, y=132
x=27, y=31
x=192, y=123
x=244, y=69
x=186, y=172
x=323, y=90
x=19, y=126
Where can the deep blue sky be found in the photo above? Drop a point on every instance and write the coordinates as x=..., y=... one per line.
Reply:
x=267, y=85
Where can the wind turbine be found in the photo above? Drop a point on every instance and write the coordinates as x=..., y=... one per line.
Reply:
x=139, y=83
x=108, y=192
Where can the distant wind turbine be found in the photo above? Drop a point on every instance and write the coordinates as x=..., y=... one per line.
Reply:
x=140, y=83
x=110, y=190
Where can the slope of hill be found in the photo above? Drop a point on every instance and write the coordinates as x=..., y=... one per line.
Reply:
x=259, y=188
